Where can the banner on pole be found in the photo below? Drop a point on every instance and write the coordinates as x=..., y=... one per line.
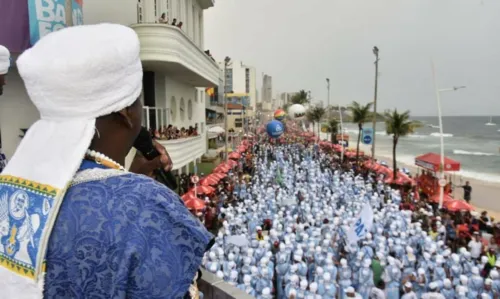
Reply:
x=46, y=16
x=362, y=226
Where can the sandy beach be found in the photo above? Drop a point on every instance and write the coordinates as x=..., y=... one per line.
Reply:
x=485, y=195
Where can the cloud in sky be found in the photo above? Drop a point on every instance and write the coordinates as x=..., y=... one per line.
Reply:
x=302, y=42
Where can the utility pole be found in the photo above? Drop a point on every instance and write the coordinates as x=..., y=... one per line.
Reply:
x=328, y=104
x=226, y=63
x=375, y=52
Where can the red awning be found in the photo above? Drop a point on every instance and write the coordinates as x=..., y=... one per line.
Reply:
x=431, y=161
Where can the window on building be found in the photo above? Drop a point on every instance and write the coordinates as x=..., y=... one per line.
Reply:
x=178, y=14
x=200, y=29
x=238, y=122
x=194, y=26
x=247, y=80
x=139, y=11
x=156, y=9
x=186, y=20
x=202, y=127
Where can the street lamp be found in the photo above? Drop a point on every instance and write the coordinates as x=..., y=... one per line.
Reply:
x=328, y=102
x=227, y=60
x=441, y=137
x=374, y=121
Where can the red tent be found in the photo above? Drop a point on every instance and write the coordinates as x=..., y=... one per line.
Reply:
x=210, y=180
x=446, y=198
x=195, y=204
x=431, y=161
x=188, y=196
x=204, y=190
x=458, y=205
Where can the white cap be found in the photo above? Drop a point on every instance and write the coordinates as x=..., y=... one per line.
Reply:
x=487, y=281
x=266, y=291
x=313, y=287
x=349, y=290
x=433, y=285
x=447, y=283
x=4, y=60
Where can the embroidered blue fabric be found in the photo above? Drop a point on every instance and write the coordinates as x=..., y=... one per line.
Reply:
x=123, y=237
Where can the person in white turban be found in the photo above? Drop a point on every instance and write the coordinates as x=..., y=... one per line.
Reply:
x=79, y=224
x=4, y=66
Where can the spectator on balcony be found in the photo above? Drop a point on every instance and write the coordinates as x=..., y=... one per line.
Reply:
x=174, y=22
x=163, y=19
x=179, y=25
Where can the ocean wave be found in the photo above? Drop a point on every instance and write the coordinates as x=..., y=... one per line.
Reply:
x=417, y=136
x=467, y=153
x=485, y=177
x=436, y=134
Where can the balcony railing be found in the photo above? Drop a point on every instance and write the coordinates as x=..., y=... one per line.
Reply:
x=154, y=117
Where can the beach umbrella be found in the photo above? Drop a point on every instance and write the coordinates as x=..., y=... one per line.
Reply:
x=219, y=175
x=234, y=155
x=222, y=168
x=195, y=204
x=446, y=198
x=210, y=180
x=458, y=205
x=232, y=163
x=188, y=196
x=204, y=190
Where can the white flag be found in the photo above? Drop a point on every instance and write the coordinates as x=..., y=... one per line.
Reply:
x=362, y=226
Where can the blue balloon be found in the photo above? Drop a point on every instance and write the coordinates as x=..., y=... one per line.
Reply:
x=275, y=129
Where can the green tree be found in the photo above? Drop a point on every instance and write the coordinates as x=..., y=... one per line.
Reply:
x=314, y=115
x=300, y=97
x=398, y=125
x=333, y=129
x=360, y=114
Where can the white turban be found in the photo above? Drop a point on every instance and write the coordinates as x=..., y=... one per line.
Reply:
x=73, y=76
x=4, y=60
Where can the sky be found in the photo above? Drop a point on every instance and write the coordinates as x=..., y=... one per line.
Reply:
x=300, y=43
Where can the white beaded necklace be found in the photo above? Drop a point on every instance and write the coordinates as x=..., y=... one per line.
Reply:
x=102, y=159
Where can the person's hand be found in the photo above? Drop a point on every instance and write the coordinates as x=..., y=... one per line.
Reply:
x=141, y=165
x=165, y=160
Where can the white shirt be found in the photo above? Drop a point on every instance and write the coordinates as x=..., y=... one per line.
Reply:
x=410, y=295
x=377, y=294
x=475, y=248
x=433, y=295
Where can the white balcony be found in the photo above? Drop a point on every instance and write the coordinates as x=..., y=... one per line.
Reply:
x=184, y=150
x=167, y=49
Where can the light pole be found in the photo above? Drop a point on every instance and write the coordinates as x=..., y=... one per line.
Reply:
x=341, y=135
x=328, y=103
x=226, y=63
x=374, y=125
x=441, y=137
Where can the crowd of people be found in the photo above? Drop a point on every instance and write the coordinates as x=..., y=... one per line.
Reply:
x=172, y=132
x=164, y=20
x=286, y=234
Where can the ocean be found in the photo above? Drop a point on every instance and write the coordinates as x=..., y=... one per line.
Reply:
x=466, y=139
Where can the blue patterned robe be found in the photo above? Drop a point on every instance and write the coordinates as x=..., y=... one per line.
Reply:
x=123, y=236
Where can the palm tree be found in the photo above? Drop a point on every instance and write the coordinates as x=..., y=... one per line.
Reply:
x=360, y=114
x=315, y=114
x=300, y=97
x=398, y=125
x=333, y=129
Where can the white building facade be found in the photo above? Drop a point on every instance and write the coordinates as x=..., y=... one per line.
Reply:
x=176, y=73
x=267, y=93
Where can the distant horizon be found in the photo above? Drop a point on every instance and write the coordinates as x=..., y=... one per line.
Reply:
x=486, y=116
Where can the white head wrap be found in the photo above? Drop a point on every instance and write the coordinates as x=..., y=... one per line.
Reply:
x=4, y=60
x=73, y=76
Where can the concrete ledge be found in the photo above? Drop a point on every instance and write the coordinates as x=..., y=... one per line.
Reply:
x=213, y=287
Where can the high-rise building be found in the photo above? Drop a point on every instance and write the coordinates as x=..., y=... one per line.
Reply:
x=267, y=92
